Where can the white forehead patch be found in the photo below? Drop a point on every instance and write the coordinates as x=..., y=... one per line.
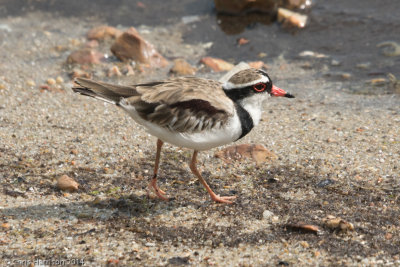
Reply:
x=228, y=85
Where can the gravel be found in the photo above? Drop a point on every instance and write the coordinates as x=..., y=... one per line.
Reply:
x=324, y=134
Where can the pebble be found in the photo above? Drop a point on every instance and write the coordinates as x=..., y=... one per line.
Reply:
x=391, y=49
x=267, y=214
x=242, y=41
x=262, y=55
x=114, y=71
x=335, y=62
x=59, y=80
x=30, y=83
x=257, y=64
x=149, y=244
x=217, y=64
x=103, y=32
x=182, y=67
x=85, y=56
x=364, y=66
x=292, y=19
x=308, y=53
x=304, y=244
x=66, y=183
x=51, y=81
x=190, y=19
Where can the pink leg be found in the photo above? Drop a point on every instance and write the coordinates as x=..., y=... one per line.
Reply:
x=153, y=183
x=214, y=196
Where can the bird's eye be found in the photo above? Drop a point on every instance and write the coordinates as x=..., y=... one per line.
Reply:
x=259, y=87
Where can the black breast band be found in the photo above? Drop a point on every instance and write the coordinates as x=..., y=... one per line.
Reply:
x=245, y=120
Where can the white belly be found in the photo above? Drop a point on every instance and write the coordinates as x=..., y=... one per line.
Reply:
x=198, y=140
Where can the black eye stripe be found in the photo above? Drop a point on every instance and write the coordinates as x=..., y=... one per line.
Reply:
x=240, y=93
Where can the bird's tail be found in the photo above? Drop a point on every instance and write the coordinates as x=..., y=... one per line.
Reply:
x=104, y=91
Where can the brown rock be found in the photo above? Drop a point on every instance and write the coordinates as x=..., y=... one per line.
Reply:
x=217, y=64
x=66, y=183
x=103, y=32
x=257, y=152
x=241, y=6
x=85, y=56
x=181, y=67
x=130, y=45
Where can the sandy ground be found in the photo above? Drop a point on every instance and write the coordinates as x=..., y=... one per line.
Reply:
x=339, y=155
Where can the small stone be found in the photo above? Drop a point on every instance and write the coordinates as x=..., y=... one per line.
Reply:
x=66, y=183
x=242, y=41
x=290, y=18
x=149, y=244
x=130, y=45
x=85, y=56
x=181, y=67
x=30, y=83
x=304, y=244
x=51, y=81
x=114, y=71
x=331, y=141
x=59, y=80
x=267, y=214
x=308, y=53
x=257, y=64
x=79, y=73
x=364, y=66
x=262, y=55
x=103, y=32
x=335, y=62
x=391, y=49
x=388, y=236
x=217, y=64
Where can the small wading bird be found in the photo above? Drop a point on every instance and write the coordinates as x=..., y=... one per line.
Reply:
x=191, y=112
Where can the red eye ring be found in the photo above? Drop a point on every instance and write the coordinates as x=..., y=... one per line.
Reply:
x=259, y=87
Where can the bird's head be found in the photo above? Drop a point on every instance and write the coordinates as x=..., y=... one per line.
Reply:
x=252, y=82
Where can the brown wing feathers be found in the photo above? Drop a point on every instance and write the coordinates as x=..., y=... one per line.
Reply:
x=181, y=104
x=105, y=91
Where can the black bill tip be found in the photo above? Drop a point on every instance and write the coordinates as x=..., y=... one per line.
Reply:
x=289, y=95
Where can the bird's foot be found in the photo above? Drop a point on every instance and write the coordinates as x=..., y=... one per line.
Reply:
x=220, y=199
x=159, y=193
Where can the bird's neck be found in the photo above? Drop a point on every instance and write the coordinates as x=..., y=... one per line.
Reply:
x=253, y=105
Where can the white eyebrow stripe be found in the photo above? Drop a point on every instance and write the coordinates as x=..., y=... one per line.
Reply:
x=228, y=85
